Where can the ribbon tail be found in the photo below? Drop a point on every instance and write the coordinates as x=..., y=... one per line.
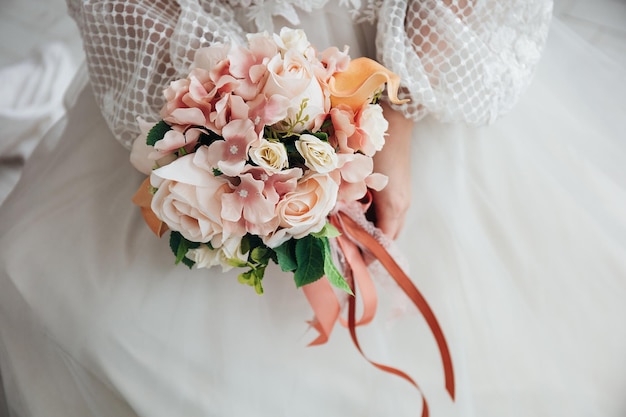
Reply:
x=326, y=308
x=143, y=199
x=405, y=283
x=358, y=270
x=385, y=368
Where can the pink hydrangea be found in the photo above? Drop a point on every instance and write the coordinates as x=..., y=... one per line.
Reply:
x=231, y=154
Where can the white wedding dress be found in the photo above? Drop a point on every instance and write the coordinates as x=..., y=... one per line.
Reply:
x=516, y=236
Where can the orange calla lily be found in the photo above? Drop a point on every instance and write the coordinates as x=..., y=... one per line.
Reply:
x=143, y=199
x=364, y=76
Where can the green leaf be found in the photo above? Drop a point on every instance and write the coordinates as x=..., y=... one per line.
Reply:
x=180, y=246
x=259, y=272
x=260, y=254
x=258, y=287
x=290, y=146
x=236, y=262
x=327, y=231
x=245, y=277
x=323, y=136
x=253, y=278
x=157, y=132
x=286, y=256
x=310, y=260
x=245, y=244
x=207, y=137
x=332, y=273
x=188, y=262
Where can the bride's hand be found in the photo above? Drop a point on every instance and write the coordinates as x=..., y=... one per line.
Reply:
x=394, y=160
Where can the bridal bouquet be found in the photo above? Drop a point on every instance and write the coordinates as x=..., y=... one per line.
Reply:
x=257, y=146
x=264, y=154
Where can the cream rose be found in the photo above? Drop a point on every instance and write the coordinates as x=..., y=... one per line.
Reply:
x=374, y=125
x=292, y=39
x=304, y=210
x=272, y=156
x=293, y=78
x=318, y=155
x=188, y=199
x=205, y=257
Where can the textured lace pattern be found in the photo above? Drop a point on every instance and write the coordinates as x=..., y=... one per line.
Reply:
x=135, y=48
x=460, y=60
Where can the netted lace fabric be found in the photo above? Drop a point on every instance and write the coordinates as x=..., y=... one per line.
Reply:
x=460, y=60
x=135, y=48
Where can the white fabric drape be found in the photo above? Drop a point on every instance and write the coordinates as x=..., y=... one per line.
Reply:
x=516, y=236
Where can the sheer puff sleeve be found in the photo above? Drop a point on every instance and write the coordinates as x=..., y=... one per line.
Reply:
x=462, y=60
x=134, y=48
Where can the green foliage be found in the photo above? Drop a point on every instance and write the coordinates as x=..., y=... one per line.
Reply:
x=310, y=260
x=207, y=137
x=259, y=256
x=328, y=230
x=157, y=132
x=253, y=278
x=180, y=246
x=330, y=270
x=286, y=256
x=320, y=135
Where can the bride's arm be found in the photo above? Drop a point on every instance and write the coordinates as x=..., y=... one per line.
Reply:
x=460, y=61
x=394, y=160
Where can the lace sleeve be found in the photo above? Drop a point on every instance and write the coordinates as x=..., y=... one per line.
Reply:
x=462, y=60
x=135, y=48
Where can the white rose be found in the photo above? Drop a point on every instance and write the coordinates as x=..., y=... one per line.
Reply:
x=294, y=78
x=318, y=155
x=272, y=156
x=292, y=39
x=205, y=257
x=373, y=123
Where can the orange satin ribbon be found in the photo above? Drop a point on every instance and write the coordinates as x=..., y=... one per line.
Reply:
x=143, y=199
x=326, y=307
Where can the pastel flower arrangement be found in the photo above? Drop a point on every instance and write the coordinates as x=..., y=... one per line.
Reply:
x=256, y=148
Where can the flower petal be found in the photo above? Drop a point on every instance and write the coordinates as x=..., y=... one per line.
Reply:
x=358, y=83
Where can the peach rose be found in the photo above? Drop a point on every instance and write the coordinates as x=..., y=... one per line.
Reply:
x=293, y=77
x=304, y=210
x=188, y=199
